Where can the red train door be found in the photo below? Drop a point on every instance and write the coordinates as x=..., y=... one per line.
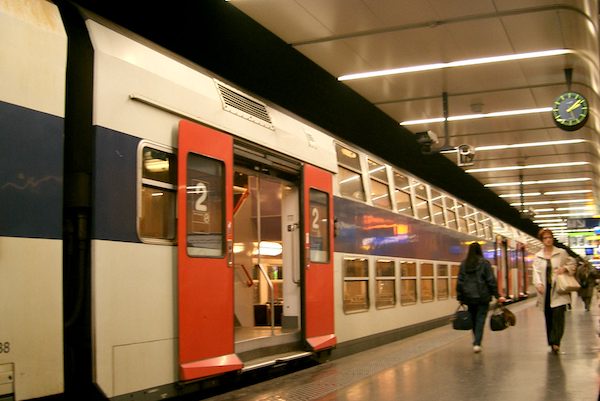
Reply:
x=318, y=265
x=205, y=273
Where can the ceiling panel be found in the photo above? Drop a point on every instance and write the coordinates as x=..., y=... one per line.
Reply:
x=353, y=36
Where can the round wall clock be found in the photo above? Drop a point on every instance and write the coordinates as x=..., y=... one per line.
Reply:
x=570, y=111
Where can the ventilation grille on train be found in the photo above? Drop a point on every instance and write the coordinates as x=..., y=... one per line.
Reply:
x=244, y=106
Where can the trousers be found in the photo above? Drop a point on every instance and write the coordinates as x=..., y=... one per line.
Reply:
x=478, y=314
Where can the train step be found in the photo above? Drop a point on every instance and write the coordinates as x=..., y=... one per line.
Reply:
x=274, y=360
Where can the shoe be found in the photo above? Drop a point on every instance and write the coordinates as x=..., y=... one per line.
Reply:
x=555, y=349
x=476, y=349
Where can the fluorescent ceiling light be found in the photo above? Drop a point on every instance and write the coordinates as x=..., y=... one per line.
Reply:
x=555, y=181
x=525, y=167
x=549, y=221
x=459, y=63
x=575, y=208
x=575, y=191
x=543, y=216
x=552, y=224
x=554, y=202
x=479, y=115
x=528, y=145
x=517, y=195
x=549, y=209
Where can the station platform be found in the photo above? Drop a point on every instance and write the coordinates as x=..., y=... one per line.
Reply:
x=515, y=364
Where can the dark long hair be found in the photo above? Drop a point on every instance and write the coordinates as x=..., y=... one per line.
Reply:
x=474, y=255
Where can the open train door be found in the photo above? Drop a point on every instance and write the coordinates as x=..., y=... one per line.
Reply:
x=318, y=255
x=204, y=231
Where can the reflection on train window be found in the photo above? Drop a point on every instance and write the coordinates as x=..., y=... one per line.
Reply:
x=319, y=226
x=408, y=283
x=385, y=284
x=442, y=281
x=451, y=214
x=205, y=190
x=462, y=221
x=351, y=184
x=421, y=202
x=437, y=206
x=453, y=279
x=158, y=196
x=487, y=226
x=347, y=157
x=402, y=194
x=380, y=192
x=426, y=282
x=356, y=284
x=470, y=216
x=380, y=195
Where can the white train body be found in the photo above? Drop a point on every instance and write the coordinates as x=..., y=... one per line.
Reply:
x=129, y=293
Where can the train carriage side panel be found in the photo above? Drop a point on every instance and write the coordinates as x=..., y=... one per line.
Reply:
x=142, y=94
x=371, y=233
x=32, y=96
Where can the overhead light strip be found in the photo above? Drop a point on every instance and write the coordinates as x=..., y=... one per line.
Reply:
x=452, y=64
x=528, y=144
x=554, y=202
x=479, y=115
x=525, y=167
x=554, y=181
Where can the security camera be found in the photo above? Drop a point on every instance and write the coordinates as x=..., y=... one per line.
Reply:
x=426, y=139
x=465, y=155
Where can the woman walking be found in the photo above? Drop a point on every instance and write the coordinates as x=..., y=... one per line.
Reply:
x=475, y=286
x=549, y=262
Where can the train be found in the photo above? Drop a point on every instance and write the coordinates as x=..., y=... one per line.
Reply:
x=161, y=227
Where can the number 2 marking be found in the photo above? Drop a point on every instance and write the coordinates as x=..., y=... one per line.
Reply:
x=315, y=223
x=203, y=192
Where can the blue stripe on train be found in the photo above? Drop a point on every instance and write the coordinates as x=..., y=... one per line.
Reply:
x=31, y=173
x=363, y=229
x=115, y=184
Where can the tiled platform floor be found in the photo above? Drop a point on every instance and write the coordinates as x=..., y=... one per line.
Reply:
x=440, y=365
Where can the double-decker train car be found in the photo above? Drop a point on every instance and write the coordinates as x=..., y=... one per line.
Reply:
x=161, y=227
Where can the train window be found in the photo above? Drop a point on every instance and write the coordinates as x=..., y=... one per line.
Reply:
x=453, y=279
x=385, y=284
x=451, y=214
x=426, y=282
x=442, y=281
x=402, y=194
x=319, y=226
x=437, y=206
x=380, y=192
x=351, y=184
x=380, y=195
x=356, y=284
x=205, y=206
x=347, y=157
x=157, y=201
x=408, y=283
x=479, y=224
x=421, y=201
x=462, y=220
x=470, y=216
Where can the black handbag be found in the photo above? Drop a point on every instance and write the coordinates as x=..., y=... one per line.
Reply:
x=498, y=319
x=462, y=319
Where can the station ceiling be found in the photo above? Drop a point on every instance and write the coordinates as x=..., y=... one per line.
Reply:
x=294, y=53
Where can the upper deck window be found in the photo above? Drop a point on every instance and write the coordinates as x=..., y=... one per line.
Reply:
x=380, y=192
x=421, y=201
x=402, y=194
x=437, y=206
x=349, y=176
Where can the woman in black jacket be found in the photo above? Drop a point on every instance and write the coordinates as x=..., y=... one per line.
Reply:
x=475, y=286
